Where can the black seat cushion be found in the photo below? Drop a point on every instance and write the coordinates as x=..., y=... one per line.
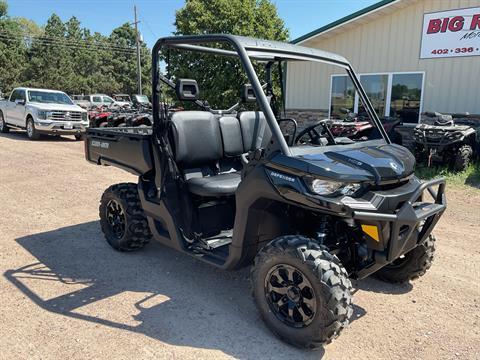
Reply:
x=231, y=136
x=214, y=186
x=255, y=130
x=197, y=138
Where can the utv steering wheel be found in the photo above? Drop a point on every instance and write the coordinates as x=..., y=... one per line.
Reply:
x=312, y=136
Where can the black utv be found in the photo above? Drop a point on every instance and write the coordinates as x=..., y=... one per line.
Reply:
x=439, y=139
x=231, y=189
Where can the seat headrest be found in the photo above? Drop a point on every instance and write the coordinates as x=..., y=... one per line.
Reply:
x=247, y=94
x=187, y=90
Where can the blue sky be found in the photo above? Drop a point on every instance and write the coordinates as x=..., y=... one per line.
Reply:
x=157, y=16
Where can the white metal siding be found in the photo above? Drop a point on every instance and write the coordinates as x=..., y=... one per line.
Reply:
x=391, y=43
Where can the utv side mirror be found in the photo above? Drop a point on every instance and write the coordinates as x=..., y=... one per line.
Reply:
x=187, y=90
x=248, y=95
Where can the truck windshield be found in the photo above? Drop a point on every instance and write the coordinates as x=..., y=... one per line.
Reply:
x=47, y=97
x=142, y=99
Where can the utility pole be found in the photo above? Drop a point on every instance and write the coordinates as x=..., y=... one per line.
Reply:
x=139, y=65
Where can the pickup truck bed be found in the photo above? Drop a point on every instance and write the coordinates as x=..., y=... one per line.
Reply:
x=127, y=148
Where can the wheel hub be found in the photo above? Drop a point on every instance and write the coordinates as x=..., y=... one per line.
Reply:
x=290, y=295
x=116, y=218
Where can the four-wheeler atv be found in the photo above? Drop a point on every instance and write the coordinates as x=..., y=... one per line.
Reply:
x=227, y=187
x=441, y=140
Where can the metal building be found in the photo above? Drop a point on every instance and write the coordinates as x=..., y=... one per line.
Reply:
x=413, y=56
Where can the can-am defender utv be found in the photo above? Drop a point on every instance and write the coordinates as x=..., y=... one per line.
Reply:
x=227, y=187
x=439, y=139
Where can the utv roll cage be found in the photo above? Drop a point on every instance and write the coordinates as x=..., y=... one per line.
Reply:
x=247, y=49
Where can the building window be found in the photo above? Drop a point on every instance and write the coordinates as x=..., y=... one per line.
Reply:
x=406, y=96
x=343, y=97
x=376, y=87
x=392, y=94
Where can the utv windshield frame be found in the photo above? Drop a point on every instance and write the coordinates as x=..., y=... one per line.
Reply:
x=247, y=49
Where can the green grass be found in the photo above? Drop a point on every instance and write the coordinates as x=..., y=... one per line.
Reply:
x=467, y=178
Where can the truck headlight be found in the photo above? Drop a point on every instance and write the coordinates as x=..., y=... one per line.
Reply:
x=330, y=187
x=42, y=114
x=84, y=116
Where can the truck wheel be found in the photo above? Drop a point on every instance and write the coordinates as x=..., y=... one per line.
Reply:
x=79, y=137
x=411, y=266
x=122, y=218
x=302, y=291
x=3, y=125
x=32, y=133
x=462, y=158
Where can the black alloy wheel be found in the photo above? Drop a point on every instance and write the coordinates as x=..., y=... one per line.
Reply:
x=116, y=218
x=290, y=296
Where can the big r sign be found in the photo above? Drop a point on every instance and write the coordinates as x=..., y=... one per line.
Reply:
x=451, y=33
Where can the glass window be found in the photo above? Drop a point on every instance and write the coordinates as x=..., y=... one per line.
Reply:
x=49, y=97
x=406, y=95
x=14, y=95
x=376, y=87
x=107, y=100
x=97, y=99
x=342, y=98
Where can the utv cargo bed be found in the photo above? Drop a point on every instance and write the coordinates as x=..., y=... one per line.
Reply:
x=123, y=147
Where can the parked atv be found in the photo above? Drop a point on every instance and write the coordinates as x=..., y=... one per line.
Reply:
x=439, y=139
x=225, y=187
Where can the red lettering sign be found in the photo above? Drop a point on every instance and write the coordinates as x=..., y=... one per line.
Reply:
x=434, y=26
x=456, y=24
x=475, y=22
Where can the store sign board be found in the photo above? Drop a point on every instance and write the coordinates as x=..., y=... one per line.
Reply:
x=451, y=33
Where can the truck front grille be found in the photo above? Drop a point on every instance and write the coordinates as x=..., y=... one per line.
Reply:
x=66, y=115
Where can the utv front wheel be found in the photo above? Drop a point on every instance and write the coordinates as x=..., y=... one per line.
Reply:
x=302, y=291
x=411, y=266
x=462, y=158
x=122, y=218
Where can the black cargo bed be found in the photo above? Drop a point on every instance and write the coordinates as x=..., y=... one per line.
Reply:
x=128, y=148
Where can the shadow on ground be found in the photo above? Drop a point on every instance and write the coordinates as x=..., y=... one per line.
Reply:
x=182, y=300
x=22, y=136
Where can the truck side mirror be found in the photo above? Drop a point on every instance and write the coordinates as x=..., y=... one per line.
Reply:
x=20, y=102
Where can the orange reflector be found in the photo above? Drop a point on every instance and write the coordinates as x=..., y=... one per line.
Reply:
x=372, y=231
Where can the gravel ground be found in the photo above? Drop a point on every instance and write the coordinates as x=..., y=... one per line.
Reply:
x=66, y=294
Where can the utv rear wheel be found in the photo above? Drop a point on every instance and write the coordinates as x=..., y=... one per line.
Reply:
x=122, y=218
x=462, y=158
x=411, y=266
x=3, y=125
x=302, y=291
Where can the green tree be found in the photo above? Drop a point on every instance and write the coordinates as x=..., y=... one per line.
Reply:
x=3, y=8
x=256, y=18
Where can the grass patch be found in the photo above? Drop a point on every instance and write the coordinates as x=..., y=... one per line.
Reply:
x=469, y=177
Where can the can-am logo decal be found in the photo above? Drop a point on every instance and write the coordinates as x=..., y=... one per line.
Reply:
x=394, y=166
x=103, y=145
x=281, y=176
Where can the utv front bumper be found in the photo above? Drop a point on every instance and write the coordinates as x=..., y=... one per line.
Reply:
x=403, y=230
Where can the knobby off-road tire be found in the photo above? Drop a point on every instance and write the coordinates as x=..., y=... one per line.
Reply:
x=326, y=280
x=414, y=264
x=120, y=204
x=32, y=133
x=3, y=125
x=462, y=158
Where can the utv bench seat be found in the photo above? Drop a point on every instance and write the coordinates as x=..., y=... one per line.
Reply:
x=205, y=143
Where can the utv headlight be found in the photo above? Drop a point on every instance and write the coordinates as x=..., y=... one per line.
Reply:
x=42, y=114
x=330, y=188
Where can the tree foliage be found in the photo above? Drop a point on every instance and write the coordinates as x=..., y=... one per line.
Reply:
x=220, y=78
x=66, y=56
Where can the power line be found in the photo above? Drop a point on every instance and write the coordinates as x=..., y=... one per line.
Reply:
x=73, y=46
x=46, y=39
x=61, y=43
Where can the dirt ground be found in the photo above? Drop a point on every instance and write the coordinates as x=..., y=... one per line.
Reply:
x=65, y=294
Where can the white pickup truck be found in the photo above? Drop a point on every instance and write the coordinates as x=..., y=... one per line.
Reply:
x=41, y=111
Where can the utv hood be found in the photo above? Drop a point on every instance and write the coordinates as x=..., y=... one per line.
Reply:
x=354, y=163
